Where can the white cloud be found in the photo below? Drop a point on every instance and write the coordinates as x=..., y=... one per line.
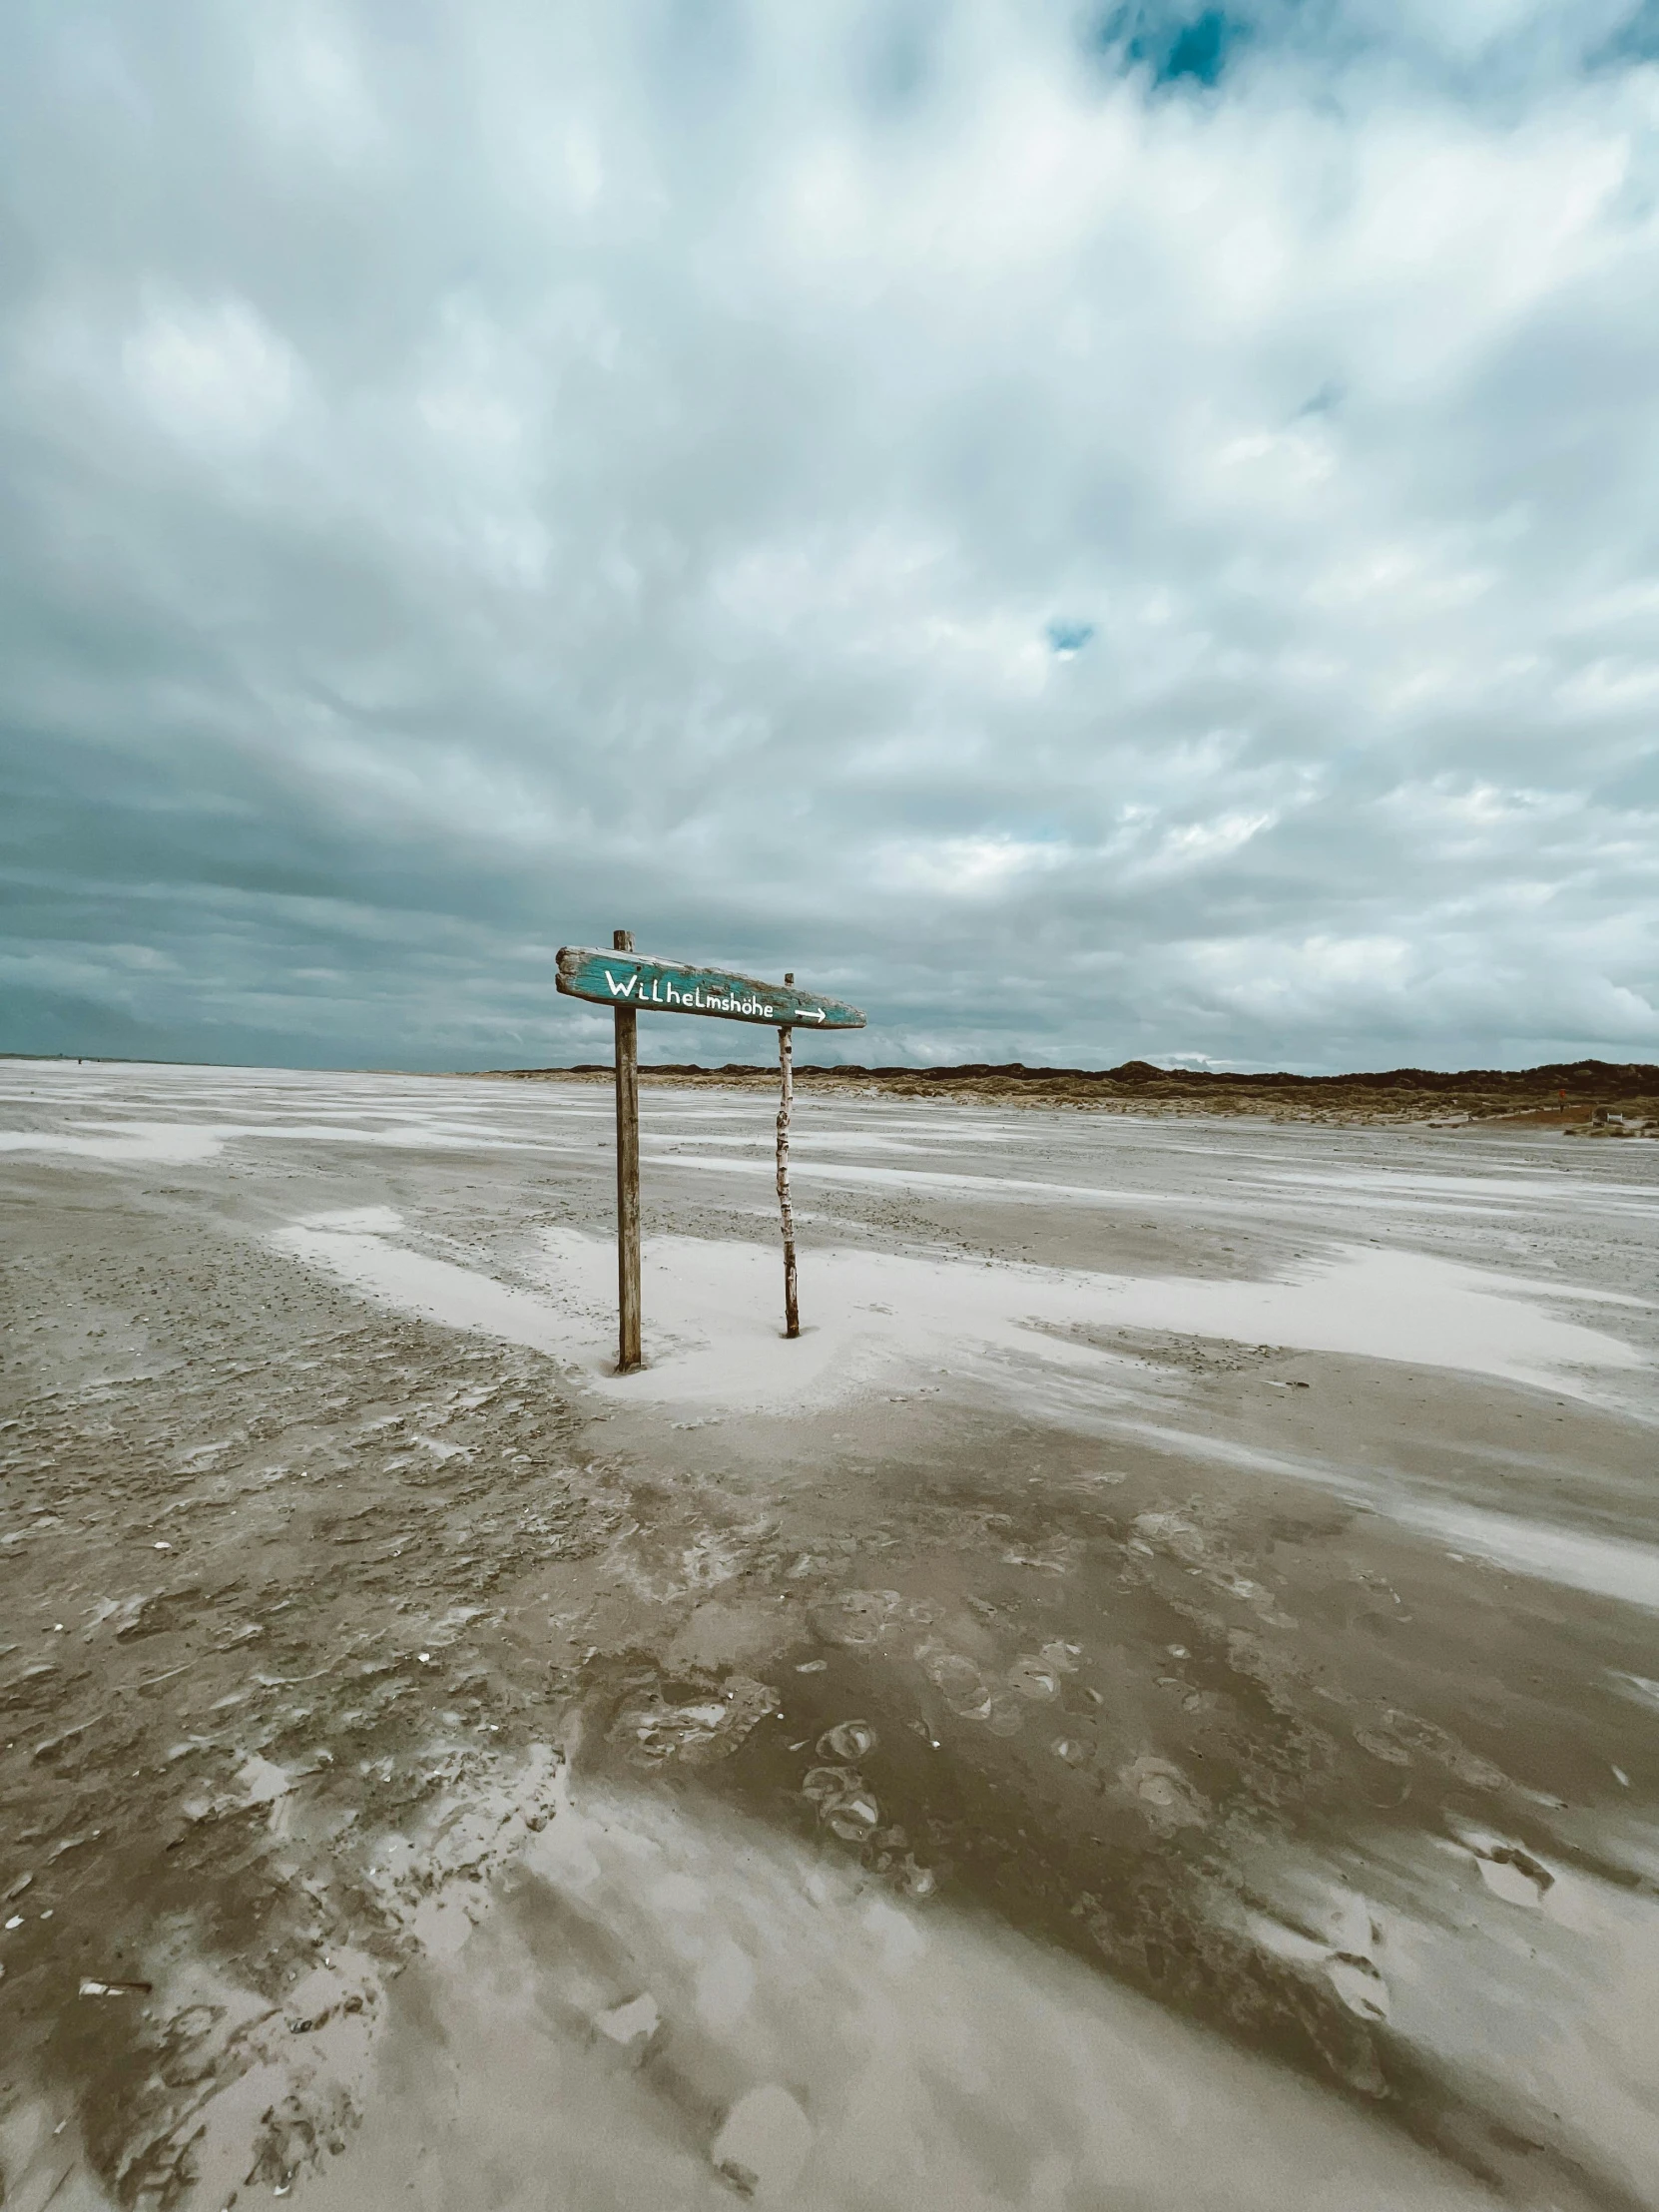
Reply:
x=966, y=868
x=311, y=86
x=1193, y=844
x=216, y=376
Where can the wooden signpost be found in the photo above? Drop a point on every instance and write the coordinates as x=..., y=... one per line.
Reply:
x=628, y=983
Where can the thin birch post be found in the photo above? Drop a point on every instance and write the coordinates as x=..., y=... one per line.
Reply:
x=627, y=1177
x=786, y=1101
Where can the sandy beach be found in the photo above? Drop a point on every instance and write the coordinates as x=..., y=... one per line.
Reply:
x=1153, y=1701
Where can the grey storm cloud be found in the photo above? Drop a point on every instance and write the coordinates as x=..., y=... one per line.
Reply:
x=1090, y=534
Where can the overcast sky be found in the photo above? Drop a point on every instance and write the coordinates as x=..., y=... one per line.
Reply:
x=1090, y=533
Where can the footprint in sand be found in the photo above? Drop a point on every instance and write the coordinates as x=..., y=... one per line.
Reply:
x=1165, y=1794
x=1513, y=1874
x=852, y=1740
x=1032, y=1679
x=1358, y=1982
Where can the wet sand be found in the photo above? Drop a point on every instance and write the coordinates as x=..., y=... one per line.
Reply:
x=1153, y=1701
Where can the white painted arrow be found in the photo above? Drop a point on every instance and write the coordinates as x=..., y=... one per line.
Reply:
x=811, y=1013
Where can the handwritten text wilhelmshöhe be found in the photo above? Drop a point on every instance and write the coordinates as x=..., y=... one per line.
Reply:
x=693, y=999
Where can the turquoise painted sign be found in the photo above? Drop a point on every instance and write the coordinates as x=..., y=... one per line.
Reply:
x=630, y=979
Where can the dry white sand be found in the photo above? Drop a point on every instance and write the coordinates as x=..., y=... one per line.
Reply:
x=896, y=1316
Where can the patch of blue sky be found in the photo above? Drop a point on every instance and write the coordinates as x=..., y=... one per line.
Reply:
x=1178, y=47
x=1066, y=639
x=1635, y=40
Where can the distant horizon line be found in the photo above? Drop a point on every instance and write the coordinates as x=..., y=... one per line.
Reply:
x=1134, y=1070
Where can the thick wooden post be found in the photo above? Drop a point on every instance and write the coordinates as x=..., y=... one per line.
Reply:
x=627, y=1177
x=785, y=1102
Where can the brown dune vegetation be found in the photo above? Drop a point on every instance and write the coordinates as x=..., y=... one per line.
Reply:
x=1580, y=1097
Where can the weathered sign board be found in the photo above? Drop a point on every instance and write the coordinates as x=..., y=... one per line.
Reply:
x=674, y=987
x=629, y=983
